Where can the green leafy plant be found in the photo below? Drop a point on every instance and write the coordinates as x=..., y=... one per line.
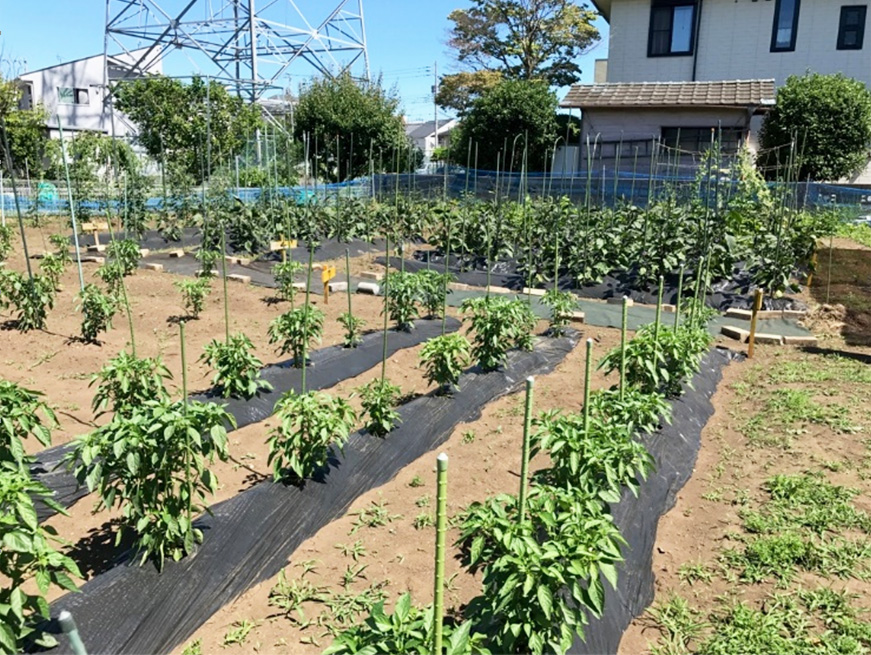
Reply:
x=20, y=412
x=433, y=291
x=290, y=596
x=193, y=294
x=238, y=632
x=52, y=267
x=112, y=275
x=599, y=460
x=562, y=305
x=400, y=299
x=444, y=358
x=542, y=575
x=284, y=273
x=5, y=241
x=379, y=397
x=28, y=556
x=61, y=245
x=296, y=329
x=97, y=309
x=126, y=254
x=32, y=299
x=151, y=464
x=237, y=370
x=638, y=411
x=408, y=630
x=373, y=516
x=126, y=382
x=498, y=324
x=309, y=426
x=353, y=329
x=208, y=260
x=659, y=361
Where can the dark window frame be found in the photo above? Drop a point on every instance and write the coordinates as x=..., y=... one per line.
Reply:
x=860, y=27
x=793, y=29
x=696, y=135
x=670, y=5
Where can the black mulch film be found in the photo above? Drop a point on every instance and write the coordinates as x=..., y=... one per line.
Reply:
x=327, y=367
x=191, y=237
x=725, y=294
x=675, y=448
x=249, y=538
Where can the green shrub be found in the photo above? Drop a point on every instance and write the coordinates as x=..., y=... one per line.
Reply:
x=379, y=397
x=112, y=275
x=237, y=370
x=20, y=410
x=284, y=273
x=61, y=244
x=97, y=311
x=444, y=358
x=150, y=463
x=208, y=261
x=433, y=291
x=353, y=329
x=126, y=254
x=193, y=294
x=52, y=267
x=309, y=426
x=126, y=382
x=32, y=299
x=562, y=305
x=295, y=330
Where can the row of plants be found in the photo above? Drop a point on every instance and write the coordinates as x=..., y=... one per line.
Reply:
x=544, y=555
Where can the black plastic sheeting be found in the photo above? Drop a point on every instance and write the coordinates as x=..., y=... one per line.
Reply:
x=327, y=367
x=192, y=237
x=675, y=448
x=249, y=538
x=724, y=295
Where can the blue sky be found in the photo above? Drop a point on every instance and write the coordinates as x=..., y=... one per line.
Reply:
x=405, y=39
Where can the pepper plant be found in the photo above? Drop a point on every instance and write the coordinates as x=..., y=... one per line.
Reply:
x=309, y=426
x=208, y=258
x=150, y=463
x=52, y=267
x=23, y=414
x=31, y=297
x=562, y=305
x=112, y=275
x=498, y=324
x=126, y=254
x=61, y=244
x=284, y=273
x=5, y=241
x=444, y=358
x=237, y=369
x=296, y=329
x=400, y=299
x=353, y=329
x=433, y=291
x=97, y=311
x=126, y=382
x=30, y=562
x=379, y=397
x=193, y=294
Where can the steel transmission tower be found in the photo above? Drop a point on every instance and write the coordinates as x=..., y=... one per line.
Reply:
x=245, y=47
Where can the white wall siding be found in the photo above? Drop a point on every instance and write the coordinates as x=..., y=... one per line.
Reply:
x=638, y=124
x=734, y=44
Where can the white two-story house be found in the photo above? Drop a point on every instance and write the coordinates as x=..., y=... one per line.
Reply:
x=678, y=69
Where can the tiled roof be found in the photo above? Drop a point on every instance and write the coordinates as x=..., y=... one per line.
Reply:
x=729, y=93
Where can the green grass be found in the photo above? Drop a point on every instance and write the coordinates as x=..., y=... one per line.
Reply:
x=816, y=368
x=858, y=232
x=788, y=413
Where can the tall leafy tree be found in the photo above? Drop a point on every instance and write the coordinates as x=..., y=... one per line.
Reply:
x=519, y=39
x=30, y=149
x=513, y=115
x=828, y=117
x=174, y=121
x=343, y=119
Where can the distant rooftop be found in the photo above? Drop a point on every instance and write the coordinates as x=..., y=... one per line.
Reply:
x=729, y=93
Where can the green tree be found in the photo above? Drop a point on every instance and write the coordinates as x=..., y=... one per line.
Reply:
x=174, y=120
x=829, y=119
x=343, y=118
x=524, y=110
x=30, y=149
x=519, y=39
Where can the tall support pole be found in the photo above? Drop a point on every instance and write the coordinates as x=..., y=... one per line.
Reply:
x=63, y=150
x=435, y=107
x=441, y=528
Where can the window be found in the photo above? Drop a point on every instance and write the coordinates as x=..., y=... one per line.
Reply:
x=851, y=29
x=70, y=96
x=699, y=139
x=785, y=25
x=672, y=28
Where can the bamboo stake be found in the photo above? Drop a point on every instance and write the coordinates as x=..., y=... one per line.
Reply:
x=348, y=285
x=658, y=312
x=588, y=373
x=524, y=457
x=623, y=348
x=441, y=523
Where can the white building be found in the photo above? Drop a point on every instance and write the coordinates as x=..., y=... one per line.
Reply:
x=74, y=92
x=681, y=68
x=426, y=137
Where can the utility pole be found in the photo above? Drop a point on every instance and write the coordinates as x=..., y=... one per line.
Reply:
x=435, y=107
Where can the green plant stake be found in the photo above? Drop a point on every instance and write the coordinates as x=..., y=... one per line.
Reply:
x=524, y=458
x=308, y=284
x=679, y=294
x=68, y=626
x=386, y=293
x=623, y=348
x=658, y=319
x=184, y=368
x=226, y=302
x=348, y=278
x=588, y=373
x=63, y=151
x=441, y=512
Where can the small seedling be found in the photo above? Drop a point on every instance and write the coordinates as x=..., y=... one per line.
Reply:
x=423, y=501
x=423, y=520
x=355, y=550
x=238, y=634
x=374, y=516
x=469, y=436
x=416, y=482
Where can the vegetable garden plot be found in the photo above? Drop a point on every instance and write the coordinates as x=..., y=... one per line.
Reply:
x=736, y=292
x=250, y=537
x=327, y=367
x=674, y=448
